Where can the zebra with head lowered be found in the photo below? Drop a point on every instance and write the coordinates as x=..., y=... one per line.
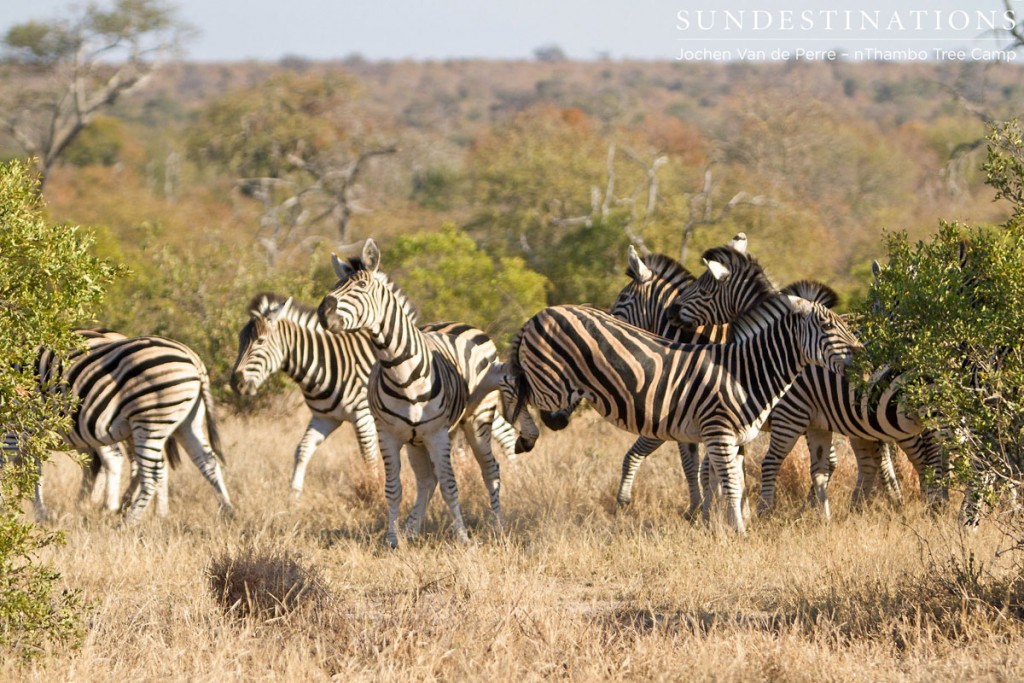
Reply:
x=821, y=399
x=152, y=390
x=423, y=386
x=720, y=394
x=331, y=370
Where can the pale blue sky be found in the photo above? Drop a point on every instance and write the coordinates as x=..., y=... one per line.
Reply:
x=645, y=29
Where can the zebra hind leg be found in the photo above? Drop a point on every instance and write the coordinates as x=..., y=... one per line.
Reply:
x=192, y=434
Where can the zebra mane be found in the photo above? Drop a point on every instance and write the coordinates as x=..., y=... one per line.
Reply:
x=743, y=266
x=812, y=290
x=263, y=303
x=356, y=263
x=762, y=315
x=665, y=267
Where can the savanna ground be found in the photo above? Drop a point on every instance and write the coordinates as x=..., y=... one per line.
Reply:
x=574, y=589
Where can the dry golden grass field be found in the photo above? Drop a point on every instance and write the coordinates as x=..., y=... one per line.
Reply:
x=573, y=590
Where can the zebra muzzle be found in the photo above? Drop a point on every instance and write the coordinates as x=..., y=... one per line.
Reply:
x=327, y=314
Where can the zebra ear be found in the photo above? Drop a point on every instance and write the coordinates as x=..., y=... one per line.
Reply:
x=739, y=242
x=719, y=271
x=275, y=314
x=638, y=270
x=341, y=268
x=371, y=255
x=876, y=270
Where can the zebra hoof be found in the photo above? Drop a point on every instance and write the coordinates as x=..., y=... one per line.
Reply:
x=227, y=512
x=524, y=445
x=392, y=541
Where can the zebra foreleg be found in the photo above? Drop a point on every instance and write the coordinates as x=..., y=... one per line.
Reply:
x=426, y=482
x=823, y=464
x=640, y=449
x=390, y=451
x=727, y=466
x=478, y=434
x=439, y=446
x=869, y=461
x=318, y=429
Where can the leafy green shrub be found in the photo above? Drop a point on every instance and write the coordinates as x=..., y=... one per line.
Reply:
x=48, y=283
x=947, y=314
x=448, y=277
x=99, y=143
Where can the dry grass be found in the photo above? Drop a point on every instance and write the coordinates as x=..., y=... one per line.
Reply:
x=575, y=589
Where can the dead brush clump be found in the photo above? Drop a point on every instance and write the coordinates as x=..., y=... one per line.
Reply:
x=264, y=585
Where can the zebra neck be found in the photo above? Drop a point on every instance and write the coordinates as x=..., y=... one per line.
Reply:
x=771, y=360
x=401, y=348
x=299, y=345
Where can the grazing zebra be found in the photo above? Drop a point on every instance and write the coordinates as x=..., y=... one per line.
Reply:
x=425, y=383
x=820, y=401
x=720, y=394
x=330, y=369
x=152, y=390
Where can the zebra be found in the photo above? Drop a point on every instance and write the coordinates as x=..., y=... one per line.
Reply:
x=643, y=302
x=820, y=401
x=153, y=390
x=424, y=384
x=720, y=394
x=95, y=458
x=331, y=370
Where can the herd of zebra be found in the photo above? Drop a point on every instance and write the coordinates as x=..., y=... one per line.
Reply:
x=714, y=359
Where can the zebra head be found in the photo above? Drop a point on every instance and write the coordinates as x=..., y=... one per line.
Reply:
x=260, y=352
x=353, y=303
x=733, y=283
x=654, y=284
x=823, y=336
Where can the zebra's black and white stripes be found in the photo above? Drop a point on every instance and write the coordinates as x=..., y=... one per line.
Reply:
x=331, y=370
x=151, y=390
x=718, y=394
x=820, y=401
x=423, y=386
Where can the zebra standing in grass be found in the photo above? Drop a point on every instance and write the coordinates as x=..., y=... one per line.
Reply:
x=330, y=369
x=113, y=456
x=152, y=390
x=821, y=400
x=720, y=394
x=655, y=282
x=423, y=385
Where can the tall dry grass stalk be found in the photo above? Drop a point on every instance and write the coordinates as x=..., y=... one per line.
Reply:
x=574, y=589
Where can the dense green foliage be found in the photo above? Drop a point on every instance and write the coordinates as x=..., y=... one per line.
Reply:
x=48, y=282
x=450, y=278
x=947, y=314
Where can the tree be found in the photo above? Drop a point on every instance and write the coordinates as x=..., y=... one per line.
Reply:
x=48, y=283
x=946, y=315
x=298, y=143
x=67, y=71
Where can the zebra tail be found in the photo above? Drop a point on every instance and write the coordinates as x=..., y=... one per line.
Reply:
x=173, y=453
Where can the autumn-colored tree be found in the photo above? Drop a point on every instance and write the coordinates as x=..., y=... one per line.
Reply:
x=69, y=70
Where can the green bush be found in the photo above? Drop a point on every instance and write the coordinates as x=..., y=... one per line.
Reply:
x=48, y=283
x=946, y=314
x=448, y=277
